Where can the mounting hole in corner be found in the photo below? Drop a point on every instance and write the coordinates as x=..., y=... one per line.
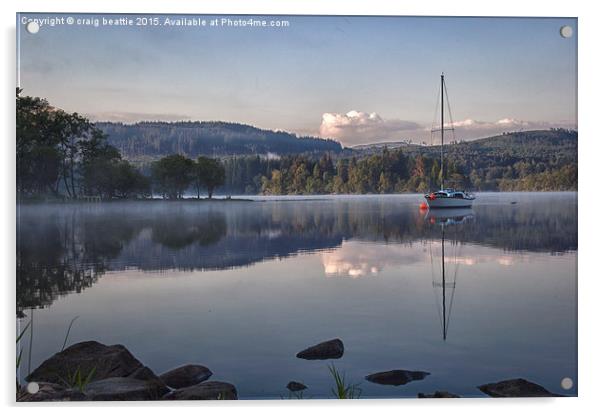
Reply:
x=32, y=27
x=32, y=387
x=566, y=383
x=566, y=32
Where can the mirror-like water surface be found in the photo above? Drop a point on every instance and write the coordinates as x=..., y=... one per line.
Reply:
x=241, y=287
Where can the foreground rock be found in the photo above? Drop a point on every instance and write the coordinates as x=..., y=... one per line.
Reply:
x=106, y=361
x=295, y=386
x=114, y=374
x=515, y=388
x=396, y=377
x=438, y=394
x=331, y=349
x=50, y=392
x=145, y=373
x=125, y=389
x=211, y=390
x=185, y=376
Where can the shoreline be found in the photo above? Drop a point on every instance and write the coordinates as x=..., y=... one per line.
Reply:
x=254, y=198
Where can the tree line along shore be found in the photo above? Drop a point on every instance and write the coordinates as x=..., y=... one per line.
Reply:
x=65, y=156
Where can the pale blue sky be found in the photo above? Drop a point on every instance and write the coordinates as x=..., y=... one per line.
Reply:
x=519, y=70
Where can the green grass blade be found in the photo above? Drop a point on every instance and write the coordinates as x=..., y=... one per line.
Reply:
x=68, y=331
x=89, y=377
x=20, y=336
x=19, y=358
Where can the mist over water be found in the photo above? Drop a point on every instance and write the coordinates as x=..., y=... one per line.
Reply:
x=241, y=287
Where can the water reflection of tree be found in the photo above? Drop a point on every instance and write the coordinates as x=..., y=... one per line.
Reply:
x=548, y=228
x=179, y=231
x=532, y=227
x=67, y=252
x=66, y=249
x=59, y=254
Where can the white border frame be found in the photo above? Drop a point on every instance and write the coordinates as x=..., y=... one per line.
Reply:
x=589, y=68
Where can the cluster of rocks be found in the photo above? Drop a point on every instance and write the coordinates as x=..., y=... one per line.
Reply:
x=116, y=375
x=91, y=371
x=334, y=349
x=331, y=349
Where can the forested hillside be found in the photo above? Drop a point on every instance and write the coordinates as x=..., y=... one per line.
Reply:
x=532, y=160
x=521, y=144
x=147, y=141
x=526, y=160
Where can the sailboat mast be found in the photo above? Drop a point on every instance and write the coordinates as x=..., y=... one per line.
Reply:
x=443, y=281
x=442, y=129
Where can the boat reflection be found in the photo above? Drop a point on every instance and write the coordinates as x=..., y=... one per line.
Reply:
x=445, y=217
x=444, y=277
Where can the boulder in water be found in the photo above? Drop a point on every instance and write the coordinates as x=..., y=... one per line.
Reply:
x=515, y=388
x=295, y=386
x=186, y=375
x=396, y=377
x=87, y=357
x=331, y=349
x=124, y=389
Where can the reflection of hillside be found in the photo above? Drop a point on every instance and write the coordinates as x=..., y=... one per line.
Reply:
x=179, y=231
x=536, y=227
x=64, y=248
x=227, y=252
x=551, y=227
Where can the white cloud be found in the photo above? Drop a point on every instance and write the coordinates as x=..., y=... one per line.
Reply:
x=470, y=124
x=357, y=127
x=470, y=129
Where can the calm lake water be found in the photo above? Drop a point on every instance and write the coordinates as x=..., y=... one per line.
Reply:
x=241, y=287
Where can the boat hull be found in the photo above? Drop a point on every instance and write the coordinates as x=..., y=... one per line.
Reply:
x=448, y=202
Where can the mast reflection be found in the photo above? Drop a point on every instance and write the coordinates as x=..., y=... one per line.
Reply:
x=450, y=220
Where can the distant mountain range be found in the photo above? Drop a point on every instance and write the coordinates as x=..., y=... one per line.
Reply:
x=146, y=141
x=152, y=140
x=539, y=144
x=381, y=145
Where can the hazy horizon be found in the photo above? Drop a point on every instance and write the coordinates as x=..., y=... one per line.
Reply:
x=358, y=80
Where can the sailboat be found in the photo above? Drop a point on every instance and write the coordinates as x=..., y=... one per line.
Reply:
x=447, y=197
